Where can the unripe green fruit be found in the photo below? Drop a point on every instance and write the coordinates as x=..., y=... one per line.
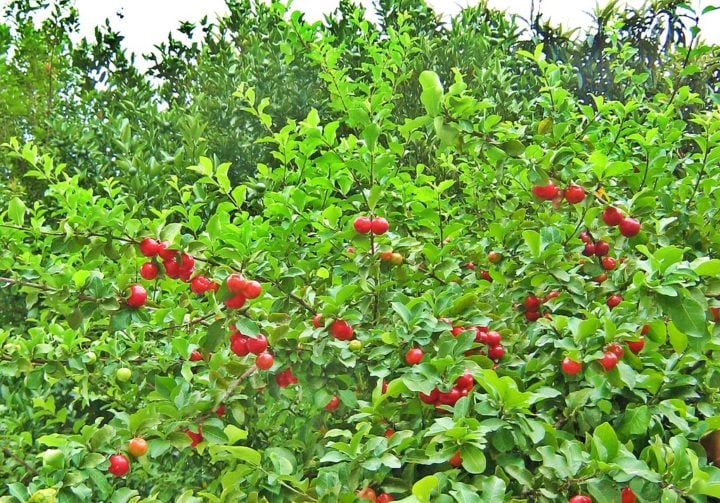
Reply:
x=123, y=374
x=91, y=356
x=356, y=345
x=53, y=458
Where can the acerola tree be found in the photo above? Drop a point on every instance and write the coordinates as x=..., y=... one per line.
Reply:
x=229, y=368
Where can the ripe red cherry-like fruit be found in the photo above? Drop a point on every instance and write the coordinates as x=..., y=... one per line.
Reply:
x=600, y=278
x=609, y=360
x=414, y=355
x=137, y=447
x=389, y=433
x=609, y=263
x=532, y=303
x=264, y=361
x=432, y=397
x=465, y=381
x=612, y=216
x=379, y=225
x=553, y=294
x=602, y=248
x=574, y=194
x=532, y=315
x=629, y=227
x=252, y=289
x=715, y=312
x=138, y=296
x=585, y=237
x=470, y=265
x=332, y=404
x=484, y=274
x=589, y=249
x=317, y=321
x=149, y=247
x=341, y=330
x=548, y=191
x=238, y=345
x=456, y=459
x=614, y=300
x=579, y=498
x=165, y=252
x=362, y=225
x=493, y=338
x=119, y=465
x=220, y=411
x=200, y=284
x=496, y=352
x=616, y=348
x=627, y=495
x=235, y=283
x=257, y=345
x=235, y=302
x=172, y=269
x=636, y=346
x=571, y=367
x=367, y=493
x=494, y=257
x=195, y=356
x=645, y=329
x=149, y=270
x=384, y=498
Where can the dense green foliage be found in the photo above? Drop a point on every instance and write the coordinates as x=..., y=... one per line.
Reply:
x=254, y=151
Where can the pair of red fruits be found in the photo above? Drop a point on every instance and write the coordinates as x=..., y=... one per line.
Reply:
x=376, y=225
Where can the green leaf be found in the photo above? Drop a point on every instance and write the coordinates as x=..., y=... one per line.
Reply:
x=605, y=444
x=513, y=148
x=214, y=435
x=215, y=334
x=234, y=433
x=532, y=239
x=432, y=93
x=16, y=211
x=374, y=196
x=473, y=459
x=423, y=488
x=687, y=314
x=705, y=266
x=247, y=326
x=402, y=311
x=635, y=420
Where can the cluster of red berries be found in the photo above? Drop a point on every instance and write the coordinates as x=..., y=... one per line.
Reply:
x=626, y=496
x=612, y=354
x=242, y=345
x=483, y=335
x=573, y=193
x=533, y=303
x=629, y=227
x=285, y=378
x=376, y=225
x=368, y=493
x=462, y=387
x=177, y=265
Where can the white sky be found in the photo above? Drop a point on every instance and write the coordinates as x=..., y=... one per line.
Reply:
x=147, y=22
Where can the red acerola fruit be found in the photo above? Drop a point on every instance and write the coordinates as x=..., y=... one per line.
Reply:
x=600, y=278
x=137, y=297
x=532, y=315
x=414, y=355
x=636, y=346
x=362, y=225
x=172, y=269
x=332, y=404
x=149, y=270
x=368, y=493
x=119, y=465
x=165, y=252
x=609, y=360
x=602, y=248
x=220, y=411
x=616, y=348
x=645, y=329
x=589, y=249
x=493, y=338
x=585, y=237
x=470, y=265
x=149, y=247
x=494, y=257
x=341, y=330
x=317, y=321
x=571, y=367
x=627, y=495
x=579, y=498
x=264, y=361
x=456, y=459
x=235, y=302
x=383, y=387
x=379, y=225
x=235, y=283
x=612, y=216
x=547, y=192
x=629, y=227
x=389, y=433
x=200, y=284
x=186, y=262
x=553, y=294
x=609, y=263
x=532, y=303
x=252, y=289
x=257, y=345
x=238, y=345
x=384, y=498
x=195, y=438
x=715, y=312
x=195, y=356
x=614, y=300
x=485, y=274
x=433, y=397
x=285, y=378
x=574, y=194
x=496, y=352
x=465, y=381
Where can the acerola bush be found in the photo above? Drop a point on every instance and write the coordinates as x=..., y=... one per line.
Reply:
x=260, y=359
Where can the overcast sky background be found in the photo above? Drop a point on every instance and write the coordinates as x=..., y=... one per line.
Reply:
x=147, y=22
